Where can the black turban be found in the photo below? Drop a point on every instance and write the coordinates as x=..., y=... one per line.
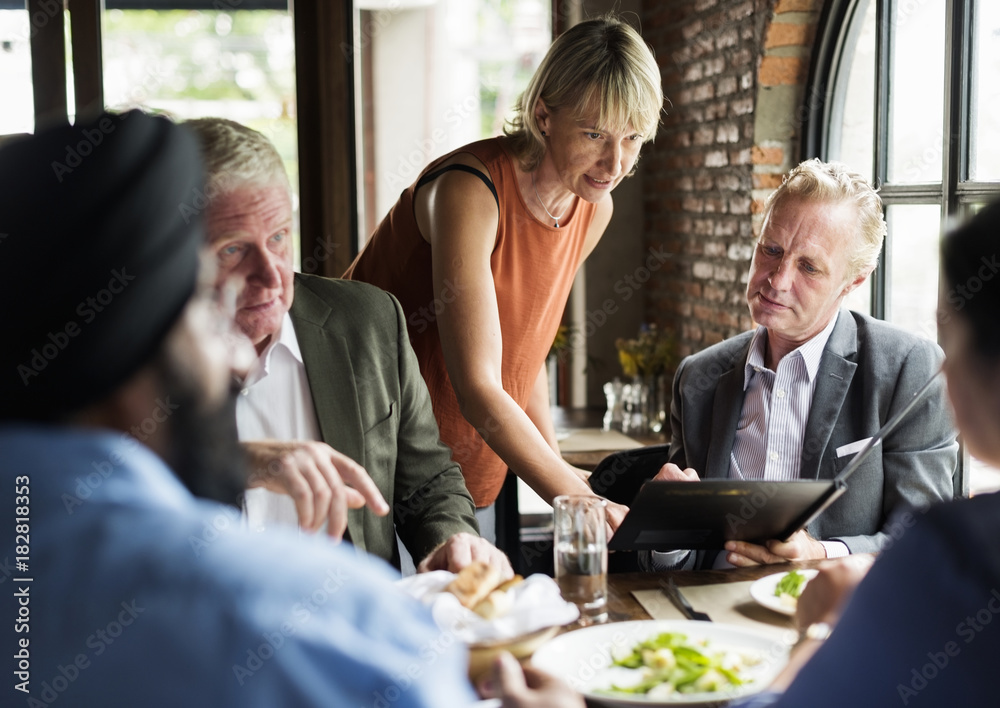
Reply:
x=98, y=256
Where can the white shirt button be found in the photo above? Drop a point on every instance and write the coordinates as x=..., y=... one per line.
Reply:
x=780, y=393
x=244, y=392
x=774, y=457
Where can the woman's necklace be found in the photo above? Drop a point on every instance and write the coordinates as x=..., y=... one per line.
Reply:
x=551, y=216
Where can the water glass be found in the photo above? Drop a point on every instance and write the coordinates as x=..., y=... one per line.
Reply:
x=581, y=554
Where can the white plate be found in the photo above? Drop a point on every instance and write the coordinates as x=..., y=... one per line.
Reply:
x=582, y=658
x=763, y=592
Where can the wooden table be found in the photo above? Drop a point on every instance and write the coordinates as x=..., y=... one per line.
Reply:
x=622, y=606
x=583, y=418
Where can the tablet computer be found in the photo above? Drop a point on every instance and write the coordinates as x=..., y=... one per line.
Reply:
x=671, y=515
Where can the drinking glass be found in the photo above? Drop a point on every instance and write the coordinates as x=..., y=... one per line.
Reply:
x=581, y=554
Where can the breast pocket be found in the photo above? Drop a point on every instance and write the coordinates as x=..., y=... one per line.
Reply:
x=380, y=449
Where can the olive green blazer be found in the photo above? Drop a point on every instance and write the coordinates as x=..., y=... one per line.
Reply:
x=372, y=405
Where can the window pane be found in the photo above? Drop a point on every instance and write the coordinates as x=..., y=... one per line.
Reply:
x=853, y=121
x=466, y=63
x=917, y=92
x=985, y=161
x=191, y=64
x=913, y=243
x=18, y=113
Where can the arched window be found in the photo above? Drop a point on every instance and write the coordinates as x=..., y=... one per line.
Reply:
x=910, y=98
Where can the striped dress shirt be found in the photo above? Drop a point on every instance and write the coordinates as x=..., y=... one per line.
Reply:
x=772, y=425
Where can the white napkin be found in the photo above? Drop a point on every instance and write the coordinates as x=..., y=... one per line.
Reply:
x=537, y=604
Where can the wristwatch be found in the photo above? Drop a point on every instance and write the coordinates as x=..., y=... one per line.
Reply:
x=817, y=631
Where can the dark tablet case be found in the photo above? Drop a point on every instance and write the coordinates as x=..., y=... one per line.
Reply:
x=670, y=515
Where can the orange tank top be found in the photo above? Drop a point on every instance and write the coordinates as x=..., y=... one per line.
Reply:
x=533, y=268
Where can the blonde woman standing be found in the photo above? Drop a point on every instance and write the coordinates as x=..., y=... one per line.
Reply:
x=482, y=250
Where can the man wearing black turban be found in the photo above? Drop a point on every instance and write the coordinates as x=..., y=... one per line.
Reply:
x=121, y=587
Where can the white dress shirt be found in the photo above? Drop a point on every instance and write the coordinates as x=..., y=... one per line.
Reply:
x=275, y=403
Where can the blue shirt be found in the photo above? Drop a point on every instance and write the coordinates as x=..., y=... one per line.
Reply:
x=142, y=595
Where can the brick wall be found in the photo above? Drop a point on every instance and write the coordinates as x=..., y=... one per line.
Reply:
x=734, y=71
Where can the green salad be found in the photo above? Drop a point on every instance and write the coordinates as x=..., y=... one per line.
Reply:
x=670, y=665
x=790, y=587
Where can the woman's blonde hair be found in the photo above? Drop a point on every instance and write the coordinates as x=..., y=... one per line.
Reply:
x=236, y=156
x=601, y=65
x=834, y=182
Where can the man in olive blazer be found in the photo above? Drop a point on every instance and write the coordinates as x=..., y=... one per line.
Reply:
x=372, y=405
x=868, y=371
x=333, y=411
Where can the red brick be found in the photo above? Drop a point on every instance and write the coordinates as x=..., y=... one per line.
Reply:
x=703, y=136
x=715, y=111
x=692, y=204
x=787, y=34
x=714, y=205
x=767, y=155
x=783, y=71
x=714, y=294
x=740, y=157
x=798, y=6
x=712, y=337
x=706, y=314
x=765, y=180
x=726, y=86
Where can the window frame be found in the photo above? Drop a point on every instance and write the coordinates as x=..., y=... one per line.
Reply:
x=956, y=194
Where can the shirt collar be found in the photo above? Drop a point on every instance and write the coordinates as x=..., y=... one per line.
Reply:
x=286, y=338
x=811, y=351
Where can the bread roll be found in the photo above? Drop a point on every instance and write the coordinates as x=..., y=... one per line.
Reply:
x=474, y=582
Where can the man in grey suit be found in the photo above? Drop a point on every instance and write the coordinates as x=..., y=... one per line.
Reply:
x=334, y=412
x=797, y=397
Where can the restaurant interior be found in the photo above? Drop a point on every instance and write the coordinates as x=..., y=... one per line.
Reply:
x=359, y=96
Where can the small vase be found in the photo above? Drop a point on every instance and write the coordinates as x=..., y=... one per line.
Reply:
x=636, y=415
x=613, y=415
x=657, y=407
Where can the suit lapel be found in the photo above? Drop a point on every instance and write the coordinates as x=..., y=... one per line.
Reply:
x=727, y=405
x=833, y=379
x=330, y=373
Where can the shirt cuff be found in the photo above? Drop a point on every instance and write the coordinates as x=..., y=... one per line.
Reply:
x=760, y=700
x=667, y=560
x=836, y=549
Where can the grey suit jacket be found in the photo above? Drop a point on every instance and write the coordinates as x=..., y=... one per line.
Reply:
x=869, y=370
x=372, y=405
